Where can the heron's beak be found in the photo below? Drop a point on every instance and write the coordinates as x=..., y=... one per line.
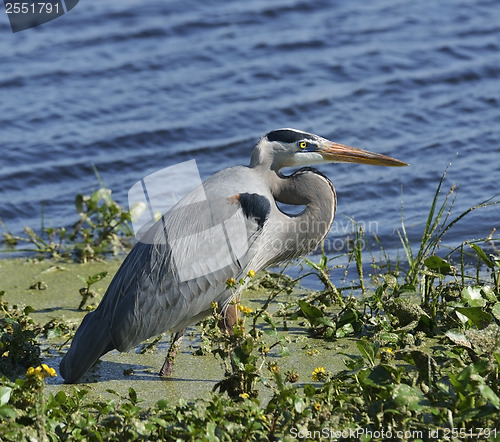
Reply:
x=345, y=154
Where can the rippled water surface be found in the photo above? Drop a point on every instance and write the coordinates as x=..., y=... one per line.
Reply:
x=132, y=87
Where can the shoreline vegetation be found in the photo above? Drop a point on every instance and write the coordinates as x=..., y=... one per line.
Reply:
x=416, y=340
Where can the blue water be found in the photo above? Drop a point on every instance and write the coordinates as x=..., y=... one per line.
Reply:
x=132, y=87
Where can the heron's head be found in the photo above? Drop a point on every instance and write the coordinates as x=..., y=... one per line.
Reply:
x=295, y=148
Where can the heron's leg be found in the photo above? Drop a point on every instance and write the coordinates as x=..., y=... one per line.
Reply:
x=168, y=365
x=230, y=316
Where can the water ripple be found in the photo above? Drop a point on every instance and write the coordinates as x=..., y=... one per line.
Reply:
x=131, y=89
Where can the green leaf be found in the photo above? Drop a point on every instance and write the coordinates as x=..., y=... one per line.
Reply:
x=7, y=411
x=79, y=200
x=95, y=278
x=267, y=318
x=473, y=296
x=406, y=396
x=461, y=381
x=463, y=319
x=364, y=377
x=345, y=330
x=388, y=338
x=407, y=288
x=325, y=321
x=350, y=316
x=495, y=310
x=489, y=293
x=5, y=395
x=285, y=351
x=353, y=363
x=162, y=404
x=28, y=309
x=490, y=395
x=240, y=356
x=483, y=255
x=381, y=376
x=368, y=350
x=497, y=357
x=60, y=397
x=299, y=404
x=132, y=395
x=390, y=280
x=438, y=265
x=312, y=264
x=309, y=390
x=458, y=338
x=102, y=194
x=311, y=312
x=478, y=317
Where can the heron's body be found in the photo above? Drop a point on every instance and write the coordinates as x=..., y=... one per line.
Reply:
x=223, y=229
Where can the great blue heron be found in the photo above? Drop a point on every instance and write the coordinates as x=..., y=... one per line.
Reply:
x=223, y=229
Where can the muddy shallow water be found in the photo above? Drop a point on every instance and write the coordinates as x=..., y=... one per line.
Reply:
x=194, y=376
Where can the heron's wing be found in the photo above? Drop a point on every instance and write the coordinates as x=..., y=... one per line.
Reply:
x=180, y=266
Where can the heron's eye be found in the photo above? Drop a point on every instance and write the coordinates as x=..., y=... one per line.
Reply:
x=302, y=144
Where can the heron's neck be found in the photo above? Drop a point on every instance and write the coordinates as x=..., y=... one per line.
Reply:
x=306, y=187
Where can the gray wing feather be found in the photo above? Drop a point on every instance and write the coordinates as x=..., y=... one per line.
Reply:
x=178, y=268
x=181, y=266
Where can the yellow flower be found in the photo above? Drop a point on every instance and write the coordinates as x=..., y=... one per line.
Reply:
x=244, y=395
x=318, y=374
x=251, y=273
x=312, y=352
x=231, y=282
x=386, y=354
x=49, y=370
x=41, y=371
x=274, y=367
x=244, y=309
x=317, y=406
x=292, y=376
x=35, y=372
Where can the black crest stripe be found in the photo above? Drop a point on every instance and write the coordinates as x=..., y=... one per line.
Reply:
x=287, y=135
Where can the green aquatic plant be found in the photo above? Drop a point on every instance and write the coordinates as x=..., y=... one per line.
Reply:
x=48, y=242
x=416, y=384
x=436, y=226
x=104, y=225
x=86, y=292
x=243, y=352
x=103, y=228
x=491, y=261
x=322, y=271
x=424, y=361
x=19, y=348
